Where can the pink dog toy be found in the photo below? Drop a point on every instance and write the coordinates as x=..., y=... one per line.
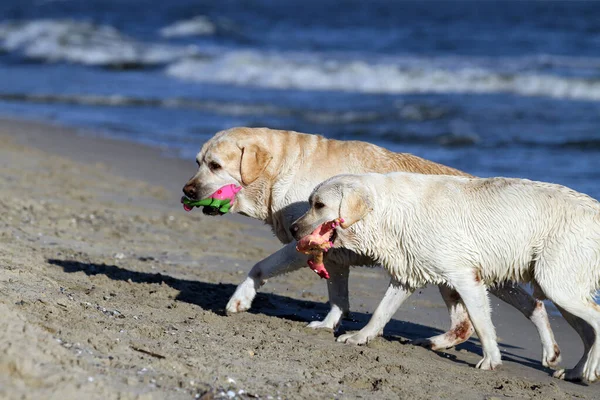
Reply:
x=222, y=199
x=318, y=243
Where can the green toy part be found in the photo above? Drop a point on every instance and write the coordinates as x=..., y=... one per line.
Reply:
x=222, y=205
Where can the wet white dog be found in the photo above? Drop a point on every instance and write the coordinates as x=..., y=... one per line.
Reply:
x=470, y=233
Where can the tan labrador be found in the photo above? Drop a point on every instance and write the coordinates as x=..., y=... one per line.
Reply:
x=278, y=171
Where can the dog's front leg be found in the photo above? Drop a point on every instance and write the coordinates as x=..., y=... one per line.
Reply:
x=337, y=286
x=474, y=295
x=392, y=300
x=286, y=259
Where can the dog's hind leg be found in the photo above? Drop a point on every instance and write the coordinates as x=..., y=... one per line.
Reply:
x=284, y=260
x=584, y=317
x=461, y=328
x=392, y=300
x=337, y=286
x=567, y=274
x=535, y=311
x=587, y=336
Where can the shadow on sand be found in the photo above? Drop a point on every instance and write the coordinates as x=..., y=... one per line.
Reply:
x=214, y=296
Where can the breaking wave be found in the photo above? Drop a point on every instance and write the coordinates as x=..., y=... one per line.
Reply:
x=197, y=26
x=84, y=43
x=53, y=40
x=251, y=68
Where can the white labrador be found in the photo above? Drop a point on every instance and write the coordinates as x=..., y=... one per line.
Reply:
x=469, y=233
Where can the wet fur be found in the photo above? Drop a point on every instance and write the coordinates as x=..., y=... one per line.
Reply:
x=278, y=170
x=467, y=233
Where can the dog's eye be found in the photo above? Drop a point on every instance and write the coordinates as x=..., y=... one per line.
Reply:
x=214, y=166
x=319, y=205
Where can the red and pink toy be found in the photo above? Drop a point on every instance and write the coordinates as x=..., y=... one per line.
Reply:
x=318, y=243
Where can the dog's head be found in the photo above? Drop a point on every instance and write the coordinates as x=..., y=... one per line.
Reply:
x=236, y=156
x=343, y=198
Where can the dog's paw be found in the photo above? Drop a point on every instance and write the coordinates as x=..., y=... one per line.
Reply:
x=331, y=321
x=560, y=374
x=357, y=338
x=488, y=363
x=590, y=371
x=571, y=375
x=237, y=306
x=550, y=359
x=242, y=298
x=440, y=342
x=322, y=325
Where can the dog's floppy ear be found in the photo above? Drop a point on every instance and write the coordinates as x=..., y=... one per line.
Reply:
x=254, y=161
x=356, y=203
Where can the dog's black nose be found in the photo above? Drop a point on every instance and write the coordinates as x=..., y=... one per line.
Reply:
x=294, y=229
x=190, y=190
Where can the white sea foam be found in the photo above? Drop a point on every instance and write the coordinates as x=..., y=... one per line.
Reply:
x=84, y=43
x=251, y=68
x=101, y=45
x=197, y=26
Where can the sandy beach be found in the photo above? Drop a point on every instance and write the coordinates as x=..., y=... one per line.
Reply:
x=111, y=291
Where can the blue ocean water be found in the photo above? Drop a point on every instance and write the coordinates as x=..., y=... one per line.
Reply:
x=493, y=88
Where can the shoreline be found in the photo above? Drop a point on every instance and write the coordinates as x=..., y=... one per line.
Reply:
x=96, y=220
x=89, y=146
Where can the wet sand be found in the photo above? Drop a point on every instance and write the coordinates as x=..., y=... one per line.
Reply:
x=110, y=290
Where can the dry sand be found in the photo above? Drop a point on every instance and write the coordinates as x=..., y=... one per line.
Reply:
x=110, y=290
